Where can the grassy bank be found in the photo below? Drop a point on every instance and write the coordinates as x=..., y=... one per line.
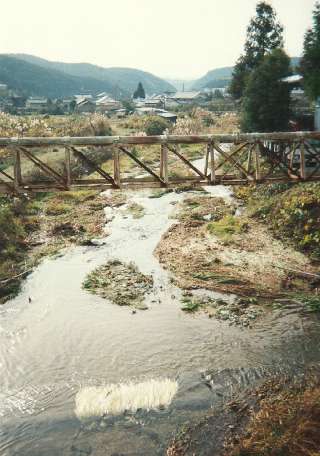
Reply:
x=292, y=212
x=32, y=229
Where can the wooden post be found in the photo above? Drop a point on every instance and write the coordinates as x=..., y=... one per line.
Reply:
x=68, y=167
x=17, y=170
x=116, y=167
x=302, y=161
x=257, y=161
x=164, y=163
x=212, y=164
x=206, y=162
x=249, y=159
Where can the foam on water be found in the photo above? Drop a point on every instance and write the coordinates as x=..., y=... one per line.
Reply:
x=115, y=399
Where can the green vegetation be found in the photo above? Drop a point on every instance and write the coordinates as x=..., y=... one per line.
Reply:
x=24, y=223
x=121, y=283
x=292, y=212
x=160, y=193
x=227, y=227
x=190, y=305
x=156, y=126
x=12, y=247
x=136, y=210
x=54, y=208
x=139, y=92
x=311, y=302
x=202, y=208
x=266, y=97
x=36, y=76
x=31, y=79
x=264, y=33
x=310, y=63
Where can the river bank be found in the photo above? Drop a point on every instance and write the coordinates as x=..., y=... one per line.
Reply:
x=279, y=416
x=218, y=246
x=89, y=342
x=32, y=229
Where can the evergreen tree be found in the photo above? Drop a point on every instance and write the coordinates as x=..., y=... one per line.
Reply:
x=266, y=98
x=264, y=33
x=310, y=63
x=139, y=93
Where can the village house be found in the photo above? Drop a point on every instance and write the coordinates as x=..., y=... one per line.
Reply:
x=157, y=112
x=36, y=104
x=155, y=101
x=85, y=106
x=106, y=103
x=186, y=98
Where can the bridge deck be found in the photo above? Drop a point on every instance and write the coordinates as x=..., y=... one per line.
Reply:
x=65, y=163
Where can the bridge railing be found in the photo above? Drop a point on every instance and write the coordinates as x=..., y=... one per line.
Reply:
x=64, y=163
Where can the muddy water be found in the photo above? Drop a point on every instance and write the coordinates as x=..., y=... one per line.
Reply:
x=66, y=339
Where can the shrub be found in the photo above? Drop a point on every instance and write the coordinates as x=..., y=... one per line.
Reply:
x=156, y=126
x=11, y=230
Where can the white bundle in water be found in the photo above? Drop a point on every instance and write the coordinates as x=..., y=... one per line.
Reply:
x=117, y=398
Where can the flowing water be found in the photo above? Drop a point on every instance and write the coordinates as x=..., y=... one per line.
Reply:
x=66, y=340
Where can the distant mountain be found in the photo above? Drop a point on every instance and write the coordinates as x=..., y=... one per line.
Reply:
x=125, y=79
x=34, y=80
x=220, y=77
x=209, y=79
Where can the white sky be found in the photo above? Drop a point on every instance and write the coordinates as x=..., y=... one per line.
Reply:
x=173, y=38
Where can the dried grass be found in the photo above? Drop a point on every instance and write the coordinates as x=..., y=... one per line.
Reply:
x=287, y=424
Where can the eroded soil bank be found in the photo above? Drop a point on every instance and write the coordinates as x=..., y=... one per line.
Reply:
x=214, y=247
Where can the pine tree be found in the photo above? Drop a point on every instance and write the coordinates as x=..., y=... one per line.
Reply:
x=264, y=33
x=139, y=93
x=310, y=62
x=266, y=98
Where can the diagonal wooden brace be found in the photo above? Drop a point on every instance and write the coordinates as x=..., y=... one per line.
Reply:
x=231, y=155
x=6, y=175
x=187, y=162
x=44, y=167
x=93, y=166
x=145, y=167
x=234, y=162
x=277, y=162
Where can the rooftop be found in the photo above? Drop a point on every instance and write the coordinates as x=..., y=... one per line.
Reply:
x=186, y=95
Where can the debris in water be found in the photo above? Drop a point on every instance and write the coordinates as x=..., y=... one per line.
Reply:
x=122, y=283
x=115, y=399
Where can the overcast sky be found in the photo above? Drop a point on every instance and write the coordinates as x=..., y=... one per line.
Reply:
x=170, y=38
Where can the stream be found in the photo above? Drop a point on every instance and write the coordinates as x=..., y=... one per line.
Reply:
x=67, y=339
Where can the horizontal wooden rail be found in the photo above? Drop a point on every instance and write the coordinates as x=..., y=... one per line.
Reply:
x=161, y=139
x=30, y=165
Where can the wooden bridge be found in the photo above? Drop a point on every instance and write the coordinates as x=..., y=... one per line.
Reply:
x=53, y=163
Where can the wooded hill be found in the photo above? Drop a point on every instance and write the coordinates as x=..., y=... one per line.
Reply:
x=39, y=77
